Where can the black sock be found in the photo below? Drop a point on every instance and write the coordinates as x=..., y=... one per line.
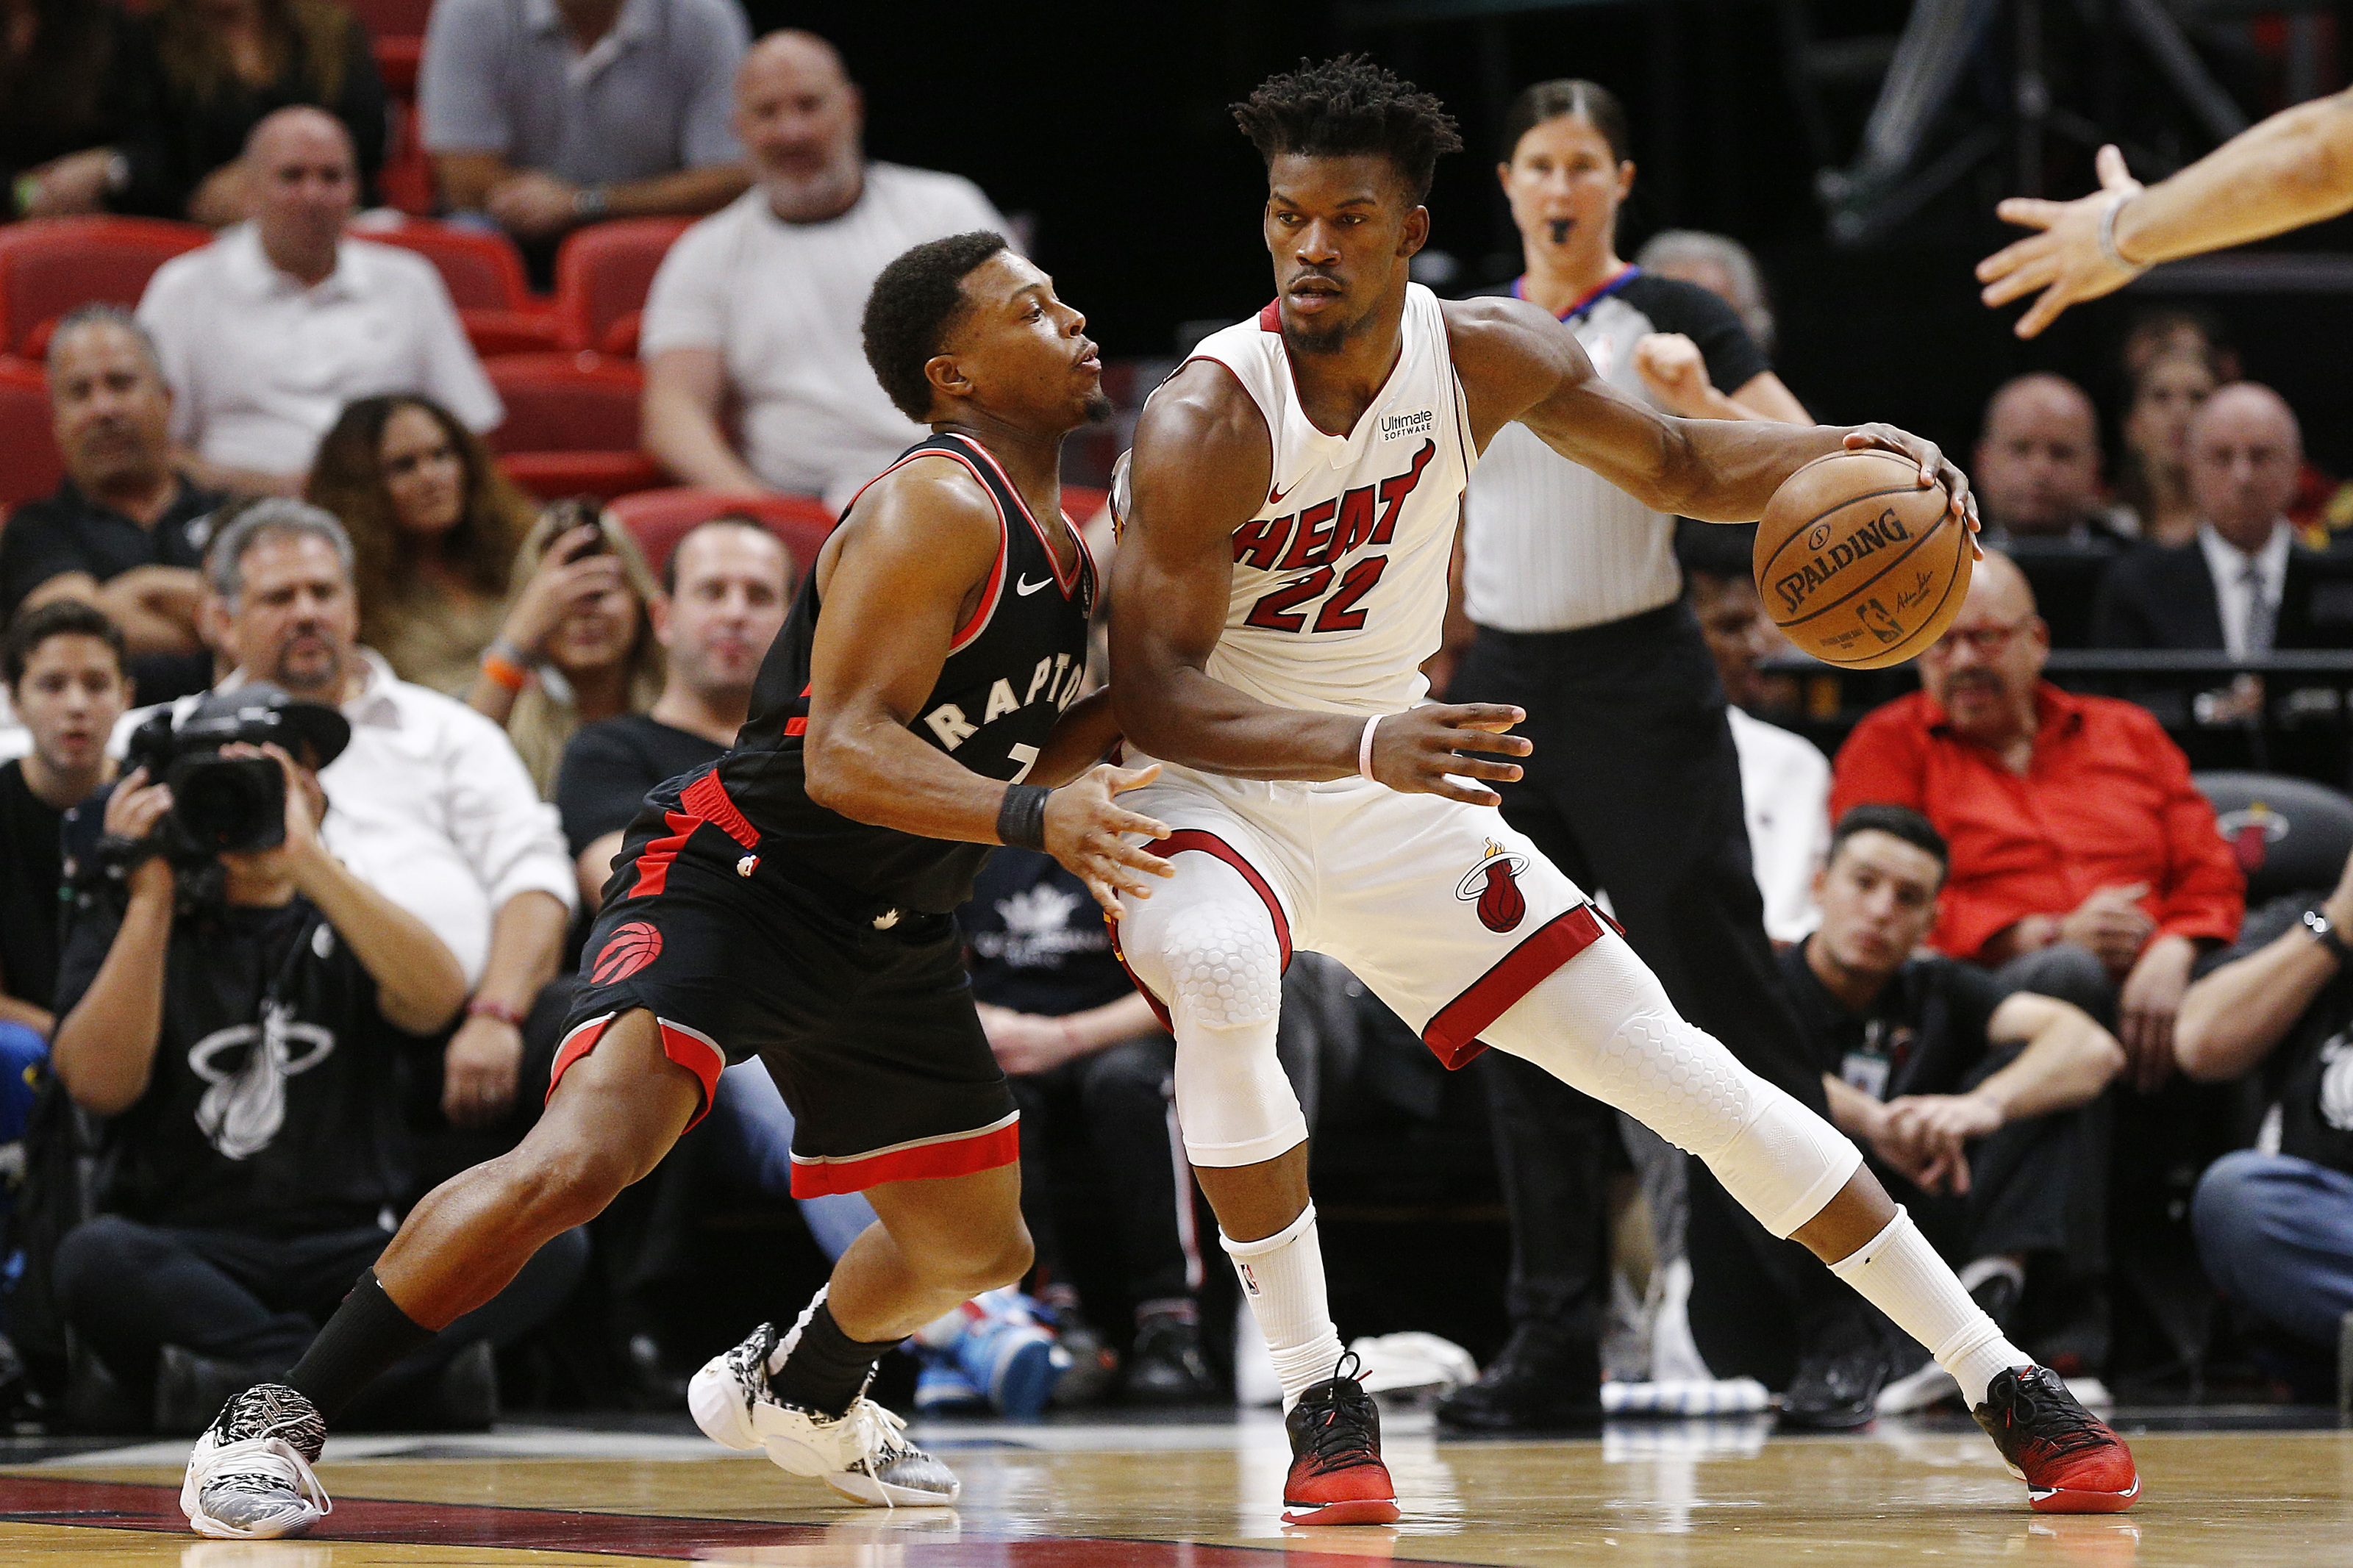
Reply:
x=824, y=1370
x=368, y=1333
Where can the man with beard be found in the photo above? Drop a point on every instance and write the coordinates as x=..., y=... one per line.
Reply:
x=793, y=901
x=2084, y=863
x=753, y=321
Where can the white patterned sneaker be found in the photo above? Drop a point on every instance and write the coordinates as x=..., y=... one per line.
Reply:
x=862, y=1454
x=251, y=1477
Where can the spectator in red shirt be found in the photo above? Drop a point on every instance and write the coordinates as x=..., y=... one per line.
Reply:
x=2085, y=865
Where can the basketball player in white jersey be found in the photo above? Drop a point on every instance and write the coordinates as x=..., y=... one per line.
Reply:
x=1290, y=507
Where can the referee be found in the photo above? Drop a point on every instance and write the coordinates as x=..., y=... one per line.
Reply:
x=1634, y=787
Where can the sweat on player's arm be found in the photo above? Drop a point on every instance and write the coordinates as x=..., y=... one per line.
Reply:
x=1520, y=364
x=897, y=582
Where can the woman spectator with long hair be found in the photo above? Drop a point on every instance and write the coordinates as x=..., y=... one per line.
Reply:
x=221, y=66
x=2155, y=477
x=435, y=528
x=578, y=643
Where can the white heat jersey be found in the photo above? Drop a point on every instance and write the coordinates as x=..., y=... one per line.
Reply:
x=1339, y=586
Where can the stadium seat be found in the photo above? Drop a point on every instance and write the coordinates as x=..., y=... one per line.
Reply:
x=2289, y=835
x=602, y=274
x=572, y=425
x=657, y=520
x=397, y=27
x=52, y=265
x=405, y=181
x=29, y=464
x=484, y=274
x=1080, y=502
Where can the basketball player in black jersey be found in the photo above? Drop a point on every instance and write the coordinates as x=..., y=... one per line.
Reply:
x=792, y=901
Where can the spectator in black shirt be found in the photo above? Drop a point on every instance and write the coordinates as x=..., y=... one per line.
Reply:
x=125, y=530
x=1954, y=1087
x=1077, y=1040
x=250, y=1052
x=64, y=664
x=69, y=93
x=2274, y=1223
x=726, y=587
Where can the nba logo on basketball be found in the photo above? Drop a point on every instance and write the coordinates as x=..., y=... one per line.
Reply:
x=1494, y=886
x=625, y=952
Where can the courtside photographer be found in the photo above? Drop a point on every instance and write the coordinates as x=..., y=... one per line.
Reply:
x=244, y=1012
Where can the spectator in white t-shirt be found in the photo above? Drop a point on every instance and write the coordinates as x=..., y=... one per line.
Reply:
x=757, y=306
x=1785, y=780
x=266, y=333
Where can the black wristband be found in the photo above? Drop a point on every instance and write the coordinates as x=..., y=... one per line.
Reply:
x=1021, y=820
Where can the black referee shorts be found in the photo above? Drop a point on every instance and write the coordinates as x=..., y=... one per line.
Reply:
x=867, y=1028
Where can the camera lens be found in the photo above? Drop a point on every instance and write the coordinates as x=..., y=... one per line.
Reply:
x=230, y=803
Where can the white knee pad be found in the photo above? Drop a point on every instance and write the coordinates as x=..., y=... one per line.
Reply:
x=1602, y=1023
x=1205, y=945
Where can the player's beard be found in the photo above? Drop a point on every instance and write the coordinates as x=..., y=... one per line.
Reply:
x=1098, y=406
x=1322, y=337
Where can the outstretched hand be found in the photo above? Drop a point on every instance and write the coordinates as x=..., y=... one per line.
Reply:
x=1085, y=827
x=2064, y=260
x=1429, y=749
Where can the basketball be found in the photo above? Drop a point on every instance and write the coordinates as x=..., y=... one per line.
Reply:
x=1857, y=563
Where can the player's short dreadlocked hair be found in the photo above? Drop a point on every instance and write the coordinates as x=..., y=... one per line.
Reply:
x=1346, y=107
x=915, y=303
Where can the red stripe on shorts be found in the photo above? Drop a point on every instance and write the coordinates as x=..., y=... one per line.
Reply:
x=690, y=1049
x=654, y=859
x=925, y=1159
x=708, y=799
x=1453, y=1034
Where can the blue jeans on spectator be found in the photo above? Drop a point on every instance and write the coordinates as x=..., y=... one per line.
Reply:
x=756, y=1150
x=2275, y=1234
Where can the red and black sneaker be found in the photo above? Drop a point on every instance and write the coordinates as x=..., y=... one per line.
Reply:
x=1336, y=1474
x=2069, y=1460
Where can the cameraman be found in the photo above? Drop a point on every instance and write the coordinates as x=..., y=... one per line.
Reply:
x=245, y=1018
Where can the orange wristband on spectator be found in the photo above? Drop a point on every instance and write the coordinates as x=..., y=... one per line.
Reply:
x=503, y=671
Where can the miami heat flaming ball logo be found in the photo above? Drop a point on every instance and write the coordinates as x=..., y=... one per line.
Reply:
x=1494, y=885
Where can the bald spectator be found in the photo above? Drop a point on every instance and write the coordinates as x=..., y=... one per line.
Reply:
x=2037, y=472
x=2086, y=866
x=547, y=114
x=267, y=333
x=757, y=308
x=2243, y=585
x=126, y=529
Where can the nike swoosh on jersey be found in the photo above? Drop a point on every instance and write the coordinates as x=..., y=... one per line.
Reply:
x=1274, y=498
x=1025, y=588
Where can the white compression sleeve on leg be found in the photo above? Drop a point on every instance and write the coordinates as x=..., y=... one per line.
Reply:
x=1205, y=945
x=1601, y=1023
x=1899, y=1273
x=1283, y=1280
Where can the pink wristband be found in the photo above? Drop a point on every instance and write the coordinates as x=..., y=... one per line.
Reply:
x=1365, y=746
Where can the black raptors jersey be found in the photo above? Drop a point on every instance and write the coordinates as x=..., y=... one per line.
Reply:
x=1012, y=668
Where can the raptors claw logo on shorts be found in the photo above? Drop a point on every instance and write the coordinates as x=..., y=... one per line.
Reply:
x=1494, y=885
x=627, y=950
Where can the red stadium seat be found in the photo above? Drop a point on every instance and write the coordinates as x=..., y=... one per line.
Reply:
x=405, y=181
x=1080, y=502
x=657, y=520
x=397, y=27
x=571, y=425
x=49, y=266
x=29, y=464
x=602, y=274
x=485, y=277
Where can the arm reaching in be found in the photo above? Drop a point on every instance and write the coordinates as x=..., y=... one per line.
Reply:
x=900, y=580
x=1518, y=363
x=2293, y=169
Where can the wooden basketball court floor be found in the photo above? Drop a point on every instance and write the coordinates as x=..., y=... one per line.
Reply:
x=1205, y=1494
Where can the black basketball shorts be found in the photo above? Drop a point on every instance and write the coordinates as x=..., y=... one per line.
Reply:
x=865, y=1019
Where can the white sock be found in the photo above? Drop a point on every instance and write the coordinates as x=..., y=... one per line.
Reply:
x=1283, y=1280
x=1899, y=1273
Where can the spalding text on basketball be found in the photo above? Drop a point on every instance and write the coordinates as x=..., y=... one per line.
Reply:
x=1798, y=586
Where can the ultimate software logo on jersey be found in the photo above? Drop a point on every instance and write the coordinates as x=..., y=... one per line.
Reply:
x=1494, y=886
